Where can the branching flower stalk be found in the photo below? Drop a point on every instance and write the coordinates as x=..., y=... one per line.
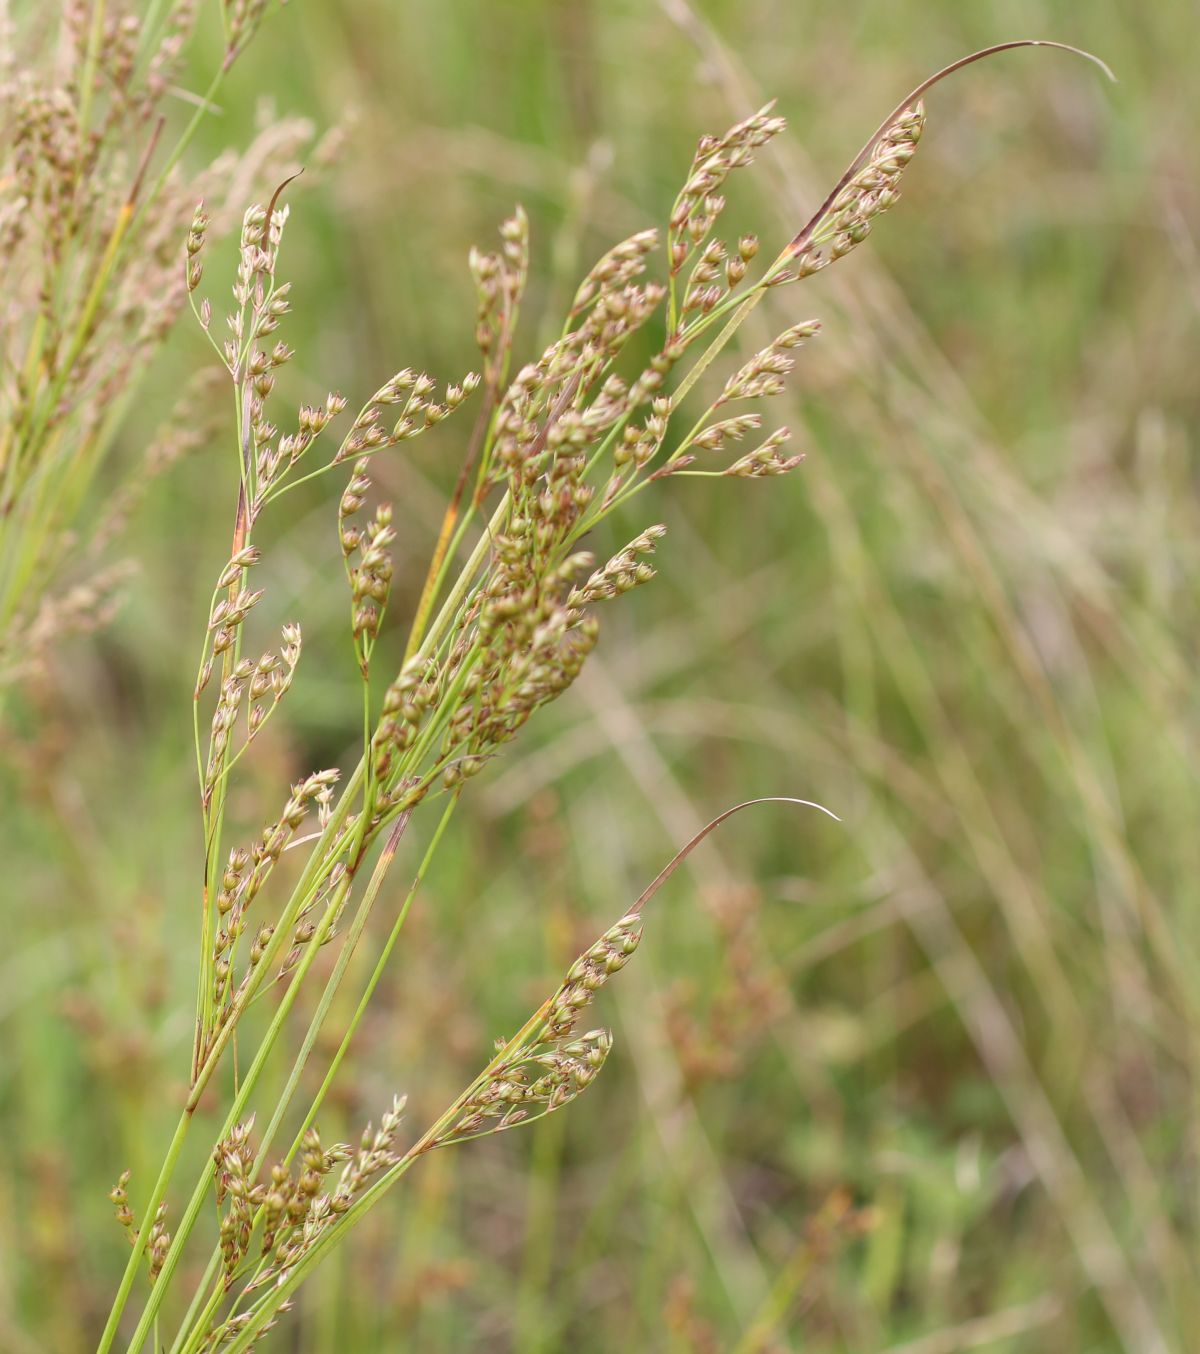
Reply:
x=90, y=211
x=557, y=447
x=542, y=1068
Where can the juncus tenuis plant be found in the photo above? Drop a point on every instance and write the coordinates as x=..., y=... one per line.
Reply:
x=553, y=448
x=92, y=201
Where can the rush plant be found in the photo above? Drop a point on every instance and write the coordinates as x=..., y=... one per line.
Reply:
x=92, y=201
x=507, y=616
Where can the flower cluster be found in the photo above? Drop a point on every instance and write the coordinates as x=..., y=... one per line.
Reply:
x=529, y=1086
x=291, y=1206
x=243, y=878
x=766, y=459
x=700, y=203
x=869, y=192
x=499, y=282
x=625, y=570
x=561, y=443
x=92, y=204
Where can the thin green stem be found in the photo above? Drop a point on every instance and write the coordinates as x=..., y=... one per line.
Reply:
x=333, y=983
x=463, y=584
x=197, y=1317
x=374, y=1193
x=88, y=78
x=236, y=1111
x=137, y=1251
x=373, y=981
x=194, y=1322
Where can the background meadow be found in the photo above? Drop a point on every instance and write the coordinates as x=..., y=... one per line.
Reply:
x=923, y=1080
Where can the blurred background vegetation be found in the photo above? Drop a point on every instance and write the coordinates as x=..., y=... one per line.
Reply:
x=921, y=1081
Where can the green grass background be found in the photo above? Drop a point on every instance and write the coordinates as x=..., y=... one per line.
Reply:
x=969, y=1013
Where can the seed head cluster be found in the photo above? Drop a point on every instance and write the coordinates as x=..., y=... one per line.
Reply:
x=292, y=1206
x=500, y=278
x=871, y=191
x=90, y=217
x=530, y=1085
x=700, y=203
x=550, y=1065
x=559, y=443
x=567, y=440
